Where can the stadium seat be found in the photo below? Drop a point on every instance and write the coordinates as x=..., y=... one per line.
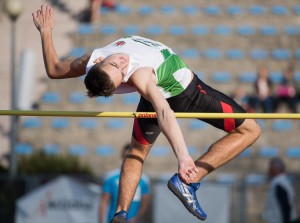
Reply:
x=279, y=10
x=297, y=76
x=131, y=99
x=146, y=10
x=23, y=148
x=192, y=150
x=176, y=30
x=235, y=54
x=234, y=10
x=200, y=74
x=268, y=152
x=291, y=30
x=85, y=29
x=77, y=150
x=212, y=10
x=261, y=123
x=129, y=30
x=245, y=30
x=197, y=124
x=160, y=151
x=190, y=9
x=247, y=77
x=77, y=97
x=32, y=123
x=255, y=179
x=123, y=10
x=200, y=30
x=104, y=100
x=88, y=123
x=212, y=54
x=51, y=149
x=246, y=153
x=77, y=52
x=297, y=54
x=108, y=29
x=222, y=30
x=268, y=30
x=276, y=77
x=258, y=54
x=257, y=10
x=221, y=77
x=226, y=178
x=105, y=150
x=190, y=53
x=281, y=54
x=60, y=123
x=167, y=9
x=292, y=152
x=282, y=125
x=154, y=30
x=297, y=9
x=115, y=123
x=50, y=98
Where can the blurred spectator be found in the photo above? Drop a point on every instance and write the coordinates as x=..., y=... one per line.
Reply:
x=108, y=202
x=281, y=198
x=286, y=91
x=95, y=8
x=263, y=91
x=242, y=99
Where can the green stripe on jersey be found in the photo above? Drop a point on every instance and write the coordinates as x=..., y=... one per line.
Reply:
x=165, y=73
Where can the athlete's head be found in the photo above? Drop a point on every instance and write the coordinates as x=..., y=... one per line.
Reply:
x=106, y=75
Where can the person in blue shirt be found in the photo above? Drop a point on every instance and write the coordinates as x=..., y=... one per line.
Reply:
x=109, y=198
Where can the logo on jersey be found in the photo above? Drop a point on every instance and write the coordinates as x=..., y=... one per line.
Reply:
x=120, y=43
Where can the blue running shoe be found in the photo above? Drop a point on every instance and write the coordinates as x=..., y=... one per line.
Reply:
x=120, y=217
x=187, y=195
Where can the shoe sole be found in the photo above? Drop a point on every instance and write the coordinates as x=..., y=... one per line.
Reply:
x=182, y=199
x=118, y=219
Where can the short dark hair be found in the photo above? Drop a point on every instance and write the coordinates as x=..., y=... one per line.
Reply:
x=98, y=82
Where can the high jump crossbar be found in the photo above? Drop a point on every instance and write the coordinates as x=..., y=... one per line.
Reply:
x=148, y=114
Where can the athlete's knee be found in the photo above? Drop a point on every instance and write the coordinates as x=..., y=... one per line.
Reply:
x=250, y=128
x=138, y=150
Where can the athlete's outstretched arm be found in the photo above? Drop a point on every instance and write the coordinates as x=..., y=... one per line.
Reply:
x=44, y=21
x=144, y=82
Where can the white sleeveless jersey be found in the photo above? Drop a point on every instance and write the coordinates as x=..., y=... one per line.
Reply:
x=172, y=74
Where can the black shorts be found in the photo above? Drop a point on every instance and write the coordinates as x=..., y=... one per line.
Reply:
x=197, y=97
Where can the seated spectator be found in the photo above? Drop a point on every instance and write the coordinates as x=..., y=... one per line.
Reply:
x=263, y=98
x=286, y=91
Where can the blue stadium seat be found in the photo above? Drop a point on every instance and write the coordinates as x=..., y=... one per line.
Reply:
x=292, y=152
x=235, y=54
x=282, y=125
x=104, y=100
x=222, y=30
x=297, y=9
x=154, y=30
x=129, y=30
x=255, y=179
x=23, y=148
x=276, y=77
x=51, y=149
x=131, y=99
x=60, y=123
x=50, y=98
x=146, y=10
x=261, y=123
x=247, y=77
x=200, y=30
x=268, y=30
x=281, y=54
x=212, y=54
x=234, y=10
x=105, y=150
x=291, y=30
x=160, y=151
x=33, y=122
x=279, y=10
x=268, y=152
x=246, y=153
x=177, y=30
x=77, y=97
x=297, y=54
x=190, y=53
x=297, y=76
x=123, y=9
x=168, y=9
x=115, y=123
x=108, y=29
x=257, y=10
x=77, y=52
x=212, y=10
x=226, y=178
x=192, y=150
x=221, y=77
x=197, y=124
x=245, y=30
x=88, y=123
x=200, y=74
x=190, y=10
x=85, y=29
x=77, y=150
x=259, y=54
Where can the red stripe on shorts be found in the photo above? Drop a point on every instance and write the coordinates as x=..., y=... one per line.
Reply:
x=229, y=123
x=138, y=133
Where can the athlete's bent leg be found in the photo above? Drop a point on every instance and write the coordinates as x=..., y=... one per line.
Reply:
x=228, y=147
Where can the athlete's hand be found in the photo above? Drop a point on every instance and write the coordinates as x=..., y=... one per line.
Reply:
x=187, y=169
x=44, y=18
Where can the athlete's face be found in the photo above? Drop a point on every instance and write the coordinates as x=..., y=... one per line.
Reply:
x=115, y=65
